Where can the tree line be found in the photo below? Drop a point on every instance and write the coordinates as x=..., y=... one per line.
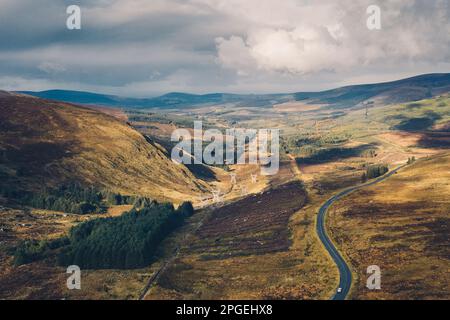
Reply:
x=374, y=171
x=71, y=198
x=124, y=242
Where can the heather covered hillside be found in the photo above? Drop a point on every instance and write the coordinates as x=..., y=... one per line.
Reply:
x=47, y=143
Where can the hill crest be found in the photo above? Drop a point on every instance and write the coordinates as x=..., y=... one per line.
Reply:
x=46, y=143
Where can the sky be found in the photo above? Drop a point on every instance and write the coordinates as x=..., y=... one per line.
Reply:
x=144, y=48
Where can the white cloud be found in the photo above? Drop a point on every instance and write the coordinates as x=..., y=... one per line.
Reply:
x=296, y=37
x=143, y=47
x=233, y=53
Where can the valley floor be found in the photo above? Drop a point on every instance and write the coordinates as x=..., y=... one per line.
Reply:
x=261, y=247
x=261, y=242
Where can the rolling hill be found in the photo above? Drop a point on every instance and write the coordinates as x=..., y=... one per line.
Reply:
x=171, y=100
x=48, y=143
x=410, y=89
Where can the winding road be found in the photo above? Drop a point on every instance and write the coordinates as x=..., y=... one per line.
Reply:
x=345, y=275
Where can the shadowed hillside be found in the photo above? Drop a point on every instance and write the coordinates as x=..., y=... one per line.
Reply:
x=47, y=143
x=168, y=101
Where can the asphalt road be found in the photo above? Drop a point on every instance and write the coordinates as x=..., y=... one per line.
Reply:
x=345, y=275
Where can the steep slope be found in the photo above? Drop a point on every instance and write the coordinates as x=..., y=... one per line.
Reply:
x=48, y=143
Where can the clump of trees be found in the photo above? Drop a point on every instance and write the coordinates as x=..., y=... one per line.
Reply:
x=374, y=171
x=29, y=251
x=186, y=209
x=411, y=160
x=143, y=202
x=32, y=250
x=113, y=199
x=128, y=241
x=124, y=242
x=71, y=198
x=370, y=153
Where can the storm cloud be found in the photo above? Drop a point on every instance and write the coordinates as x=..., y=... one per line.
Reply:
x=149, y=47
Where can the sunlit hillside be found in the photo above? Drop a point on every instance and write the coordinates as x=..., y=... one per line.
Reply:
x=48, y=143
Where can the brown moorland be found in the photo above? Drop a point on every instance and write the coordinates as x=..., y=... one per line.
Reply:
x=260, y=247
x=403, y=226
x=47, y=143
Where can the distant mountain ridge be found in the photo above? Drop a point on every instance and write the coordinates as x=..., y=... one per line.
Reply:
x=167, y=101
x=410, y=89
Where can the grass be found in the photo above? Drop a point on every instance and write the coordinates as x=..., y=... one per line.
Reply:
x=401, y=225
x=404, y=231
x=301, y=270
x=57, y=143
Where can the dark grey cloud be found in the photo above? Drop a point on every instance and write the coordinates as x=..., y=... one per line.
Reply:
x=141, y=47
